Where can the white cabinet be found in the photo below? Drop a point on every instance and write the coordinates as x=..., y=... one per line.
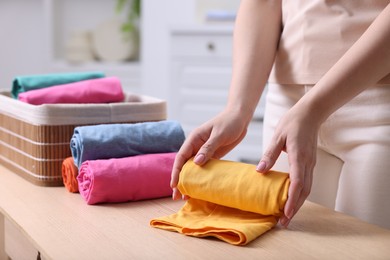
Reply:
x=201, y=69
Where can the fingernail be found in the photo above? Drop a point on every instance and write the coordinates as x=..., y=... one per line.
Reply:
x=261, y=166
x=285, y=222
x=199, y=158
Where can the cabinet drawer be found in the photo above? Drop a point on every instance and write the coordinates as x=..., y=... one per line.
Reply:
x=202, y=75
x=200, y=46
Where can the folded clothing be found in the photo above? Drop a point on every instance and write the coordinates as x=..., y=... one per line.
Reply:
x=131, y=178
x=228, y=200
x=107, y=141
x=30, y=82
x=103, y=90
x=69, y=175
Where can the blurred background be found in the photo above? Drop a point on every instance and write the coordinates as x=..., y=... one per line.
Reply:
x=177, y=50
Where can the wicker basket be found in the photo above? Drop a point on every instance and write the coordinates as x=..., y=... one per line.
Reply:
x=34, y=140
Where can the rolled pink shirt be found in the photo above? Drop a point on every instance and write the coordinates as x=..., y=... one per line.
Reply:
x=131, y=178
x=101, y=90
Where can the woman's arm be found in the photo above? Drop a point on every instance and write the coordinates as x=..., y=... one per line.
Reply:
x=256, y=35
x=363, y=65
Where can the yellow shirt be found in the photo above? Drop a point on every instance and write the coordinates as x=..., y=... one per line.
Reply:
x=316, y=33
x=228, y=200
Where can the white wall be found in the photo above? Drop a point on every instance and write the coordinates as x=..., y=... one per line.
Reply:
x=22, y=45
x=25, y=33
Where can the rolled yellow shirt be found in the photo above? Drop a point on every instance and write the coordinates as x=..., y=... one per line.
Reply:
x=228, y=200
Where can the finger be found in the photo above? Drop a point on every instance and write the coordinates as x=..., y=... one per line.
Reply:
x=176, y=195
x=308, y=181
x=284, y=220
x=271, y=155
x=185, y=152
x=188, y=149
x=181, y=158
x=297, y=183
x=207, y=150
x=294, y=205
x=307, y=177
x=177, y=165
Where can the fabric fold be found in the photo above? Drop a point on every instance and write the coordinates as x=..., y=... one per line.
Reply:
x=131, y=178
x=102, y=90
x=29, y=82
x=69, y=175
x=107, y=141
x=228, y=200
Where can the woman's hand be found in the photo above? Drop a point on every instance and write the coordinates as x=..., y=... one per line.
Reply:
x=296, y=134
x=213, y=139
x=256, y=36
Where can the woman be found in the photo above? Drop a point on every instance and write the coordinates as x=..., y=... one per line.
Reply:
x=328, y=103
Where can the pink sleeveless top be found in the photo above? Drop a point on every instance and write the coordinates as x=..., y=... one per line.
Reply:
x=316, y=33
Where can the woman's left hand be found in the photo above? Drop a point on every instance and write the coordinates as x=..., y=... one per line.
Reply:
x=296, y=134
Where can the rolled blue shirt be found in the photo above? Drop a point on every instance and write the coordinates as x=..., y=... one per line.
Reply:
x=107, y=141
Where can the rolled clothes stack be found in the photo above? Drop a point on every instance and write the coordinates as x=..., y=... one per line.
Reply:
x=108, y=141
x=145, y=154
x=101, y=90
x=26, y=83
x=227, y=200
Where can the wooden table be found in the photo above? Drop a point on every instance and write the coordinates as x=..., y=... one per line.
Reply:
x=60, y=225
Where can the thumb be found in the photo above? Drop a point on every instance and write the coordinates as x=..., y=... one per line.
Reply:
x=206, y=152
x=270, y=156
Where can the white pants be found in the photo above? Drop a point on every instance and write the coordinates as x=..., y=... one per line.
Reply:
x=352, y=173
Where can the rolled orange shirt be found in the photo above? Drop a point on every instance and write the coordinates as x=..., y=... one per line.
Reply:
x=69, y=175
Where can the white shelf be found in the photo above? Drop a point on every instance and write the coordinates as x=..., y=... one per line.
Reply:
x=131, y=66
x=65, y=16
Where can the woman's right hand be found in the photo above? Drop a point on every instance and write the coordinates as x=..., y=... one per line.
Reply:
x=213, y=139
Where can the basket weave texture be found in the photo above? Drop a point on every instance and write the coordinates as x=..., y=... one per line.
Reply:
x=34, y=148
